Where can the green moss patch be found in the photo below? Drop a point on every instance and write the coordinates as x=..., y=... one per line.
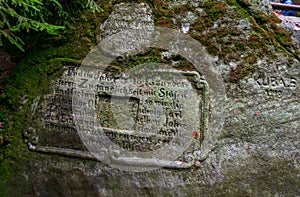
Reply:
x=31, y=78
x=215, y=10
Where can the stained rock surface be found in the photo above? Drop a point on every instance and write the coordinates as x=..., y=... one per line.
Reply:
x=246, y=142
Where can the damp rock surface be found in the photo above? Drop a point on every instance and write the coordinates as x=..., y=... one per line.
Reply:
x=242, y=125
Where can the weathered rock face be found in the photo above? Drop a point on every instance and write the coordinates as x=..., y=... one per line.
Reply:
x=213, y=109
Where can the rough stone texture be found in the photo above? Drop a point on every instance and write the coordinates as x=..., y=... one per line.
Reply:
x=257, y=151
x=293, y=24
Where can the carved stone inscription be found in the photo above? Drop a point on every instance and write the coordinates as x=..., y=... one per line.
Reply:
x=155, y=110
x=276, y=86
x=56, y=122
x=138, y=113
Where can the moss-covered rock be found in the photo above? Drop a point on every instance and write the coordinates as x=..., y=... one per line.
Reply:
x=254, y=56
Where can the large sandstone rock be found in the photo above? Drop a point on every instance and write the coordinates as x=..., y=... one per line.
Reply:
x=231, y=126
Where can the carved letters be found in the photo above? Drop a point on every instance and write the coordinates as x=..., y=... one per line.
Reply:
x=155, y=109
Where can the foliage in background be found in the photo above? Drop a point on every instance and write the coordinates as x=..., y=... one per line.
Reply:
x=24, y=16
